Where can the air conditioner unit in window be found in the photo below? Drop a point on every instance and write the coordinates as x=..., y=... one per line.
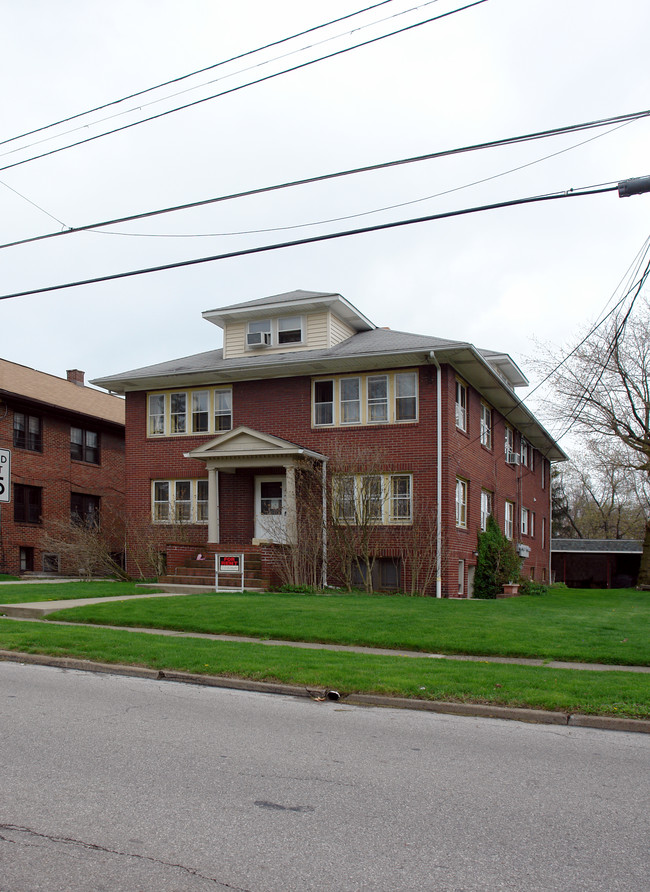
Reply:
x=513, y=458
x=258, y=338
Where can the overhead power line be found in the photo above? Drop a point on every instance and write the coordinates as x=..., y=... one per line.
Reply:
x=235, y=89
x=507, y=141
x=571, y=193
x=190, y=74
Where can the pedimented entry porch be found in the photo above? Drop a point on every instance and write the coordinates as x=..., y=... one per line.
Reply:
x=252, y=486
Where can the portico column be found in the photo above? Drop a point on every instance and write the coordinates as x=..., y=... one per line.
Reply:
x=213, y=505
x=292, y=509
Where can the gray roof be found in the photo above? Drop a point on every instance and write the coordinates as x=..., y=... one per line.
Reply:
x=597, y=546
x=364, y=345
x=285, y=297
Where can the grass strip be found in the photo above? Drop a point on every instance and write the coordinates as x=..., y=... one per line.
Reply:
x=583, y=626
x=64, y=591
x=598, y=693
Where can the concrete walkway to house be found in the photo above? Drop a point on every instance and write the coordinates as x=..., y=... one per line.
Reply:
x=36, y=610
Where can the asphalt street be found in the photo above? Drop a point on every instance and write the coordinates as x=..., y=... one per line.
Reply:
x=119, y=783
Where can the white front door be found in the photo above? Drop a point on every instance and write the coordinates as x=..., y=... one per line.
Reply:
x=270, y=509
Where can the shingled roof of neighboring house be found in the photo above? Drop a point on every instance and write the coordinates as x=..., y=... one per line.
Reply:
x=597, y=546
x=21, y=382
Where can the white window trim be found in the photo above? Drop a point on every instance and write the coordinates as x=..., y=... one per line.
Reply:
x=170, y=519
x=272, y=326
x=364, y=410
x=525, y=522
x=460, y=405
x=486, y=425
x=386, y=516
x=486, y=507
x=188, y=394
x=509, y=520
x=461, y=503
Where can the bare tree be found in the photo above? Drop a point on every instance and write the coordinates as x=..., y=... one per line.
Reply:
x=603, y=391
x=598, y=496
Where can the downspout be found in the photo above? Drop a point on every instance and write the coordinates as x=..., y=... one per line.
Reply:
x=324, y=486
x=432, y=358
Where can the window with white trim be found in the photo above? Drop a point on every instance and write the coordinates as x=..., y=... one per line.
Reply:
x=350, y=400
x=377, y=398
x=290, y=330
x=178, y=413
x=525, y=515
x=486, y=508
x=509, y=520
x=461, y=405
x=362, y=499
x=461, y=503
x=406, y=396
x=191, y=412
x=387, y=398
x=461, y=577
x=486, y=426
x=509, y=444
x=179, y=501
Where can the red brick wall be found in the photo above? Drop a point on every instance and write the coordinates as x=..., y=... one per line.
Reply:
x=282, y=407
x=58, y=475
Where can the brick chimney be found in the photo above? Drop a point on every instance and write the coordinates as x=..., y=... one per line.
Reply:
x=76, y=376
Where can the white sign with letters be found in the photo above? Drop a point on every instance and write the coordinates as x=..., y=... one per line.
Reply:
x=5, y=475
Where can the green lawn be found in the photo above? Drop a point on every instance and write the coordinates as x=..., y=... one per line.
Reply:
x=567, y=624
x=64, y=591
x=569, y=690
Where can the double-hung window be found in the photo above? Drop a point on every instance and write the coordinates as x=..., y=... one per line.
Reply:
x=461, y=503
x=350, y=400
x=290, y=330
x=401, y=501
x=509, y=520
x=222, y=410
x=200, y=411
x=178, y=413
x=406, y=396
x=486, y=508
x=461, y=405
x=84, y=445
x=377, y=398
x=525, y=516
x=509, y=442
x=84, y=509
x=486, y=426
x=369, y=499
x=156, y=414
x=179, y=501
x=27, y=503
x=27, y=432
x=323, y=402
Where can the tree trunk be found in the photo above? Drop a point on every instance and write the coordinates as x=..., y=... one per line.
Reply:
x=644, y=569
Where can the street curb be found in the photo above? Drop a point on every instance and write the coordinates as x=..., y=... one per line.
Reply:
x=485, y=710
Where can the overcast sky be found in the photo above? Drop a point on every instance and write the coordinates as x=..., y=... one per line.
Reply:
x=500, y=279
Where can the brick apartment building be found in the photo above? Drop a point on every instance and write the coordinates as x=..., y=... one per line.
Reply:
x=215, y=442
x=67, y=459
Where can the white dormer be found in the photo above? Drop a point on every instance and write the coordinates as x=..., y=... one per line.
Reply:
x=297, y=320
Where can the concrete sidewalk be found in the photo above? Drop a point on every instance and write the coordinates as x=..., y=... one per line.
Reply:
x=38, y=609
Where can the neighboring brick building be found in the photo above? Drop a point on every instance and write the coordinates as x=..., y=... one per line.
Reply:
x=214, y=441
x=67, y=458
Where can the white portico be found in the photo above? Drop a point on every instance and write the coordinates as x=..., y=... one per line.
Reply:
x=275, y=507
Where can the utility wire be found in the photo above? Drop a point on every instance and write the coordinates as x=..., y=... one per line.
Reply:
x=511, y=140
x=571, y=193
x=183, y=77
x=144, y=105
x=390, y=207
x=235, y=89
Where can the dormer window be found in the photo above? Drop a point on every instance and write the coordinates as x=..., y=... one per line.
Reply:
x=290, y=330
x=259, y=334
x=280, y=332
